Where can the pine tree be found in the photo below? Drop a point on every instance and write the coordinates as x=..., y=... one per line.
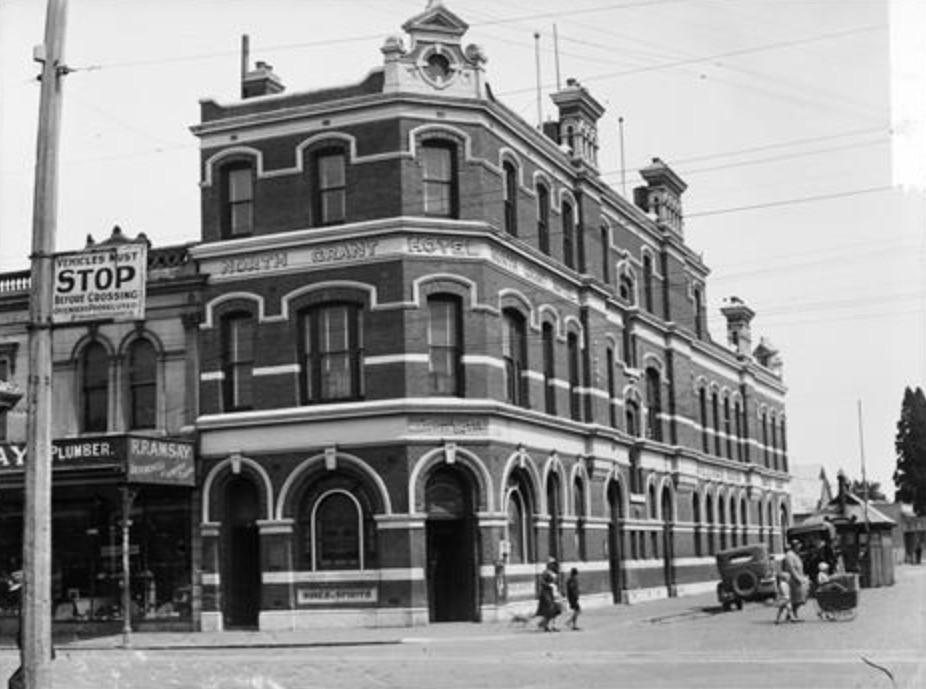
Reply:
x=910, y=444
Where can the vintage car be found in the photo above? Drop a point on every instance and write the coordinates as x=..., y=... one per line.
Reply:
x=746, y=573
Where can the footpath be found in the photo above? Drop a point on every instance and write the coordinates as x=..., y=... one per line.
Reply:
x=349, y=636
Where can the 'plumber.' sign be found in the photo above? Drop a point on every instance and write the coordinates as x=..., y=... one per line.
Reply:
x=101, y=284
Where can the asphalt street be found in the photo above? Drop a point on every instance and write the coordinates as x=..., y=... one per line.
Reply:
x=679, y=643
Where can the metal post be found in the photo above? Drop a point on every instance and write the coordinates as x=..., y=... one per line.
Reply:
x=36, y=630
x=127, y=497
x=537, y=70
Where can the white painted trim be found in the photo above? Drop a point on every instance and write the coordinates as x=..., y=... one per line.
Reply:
x=282, y=369
x=396, y=359
x=332, y=576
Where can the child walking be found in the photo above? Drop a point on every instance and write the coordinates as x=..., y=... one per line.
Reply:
x=783, y=598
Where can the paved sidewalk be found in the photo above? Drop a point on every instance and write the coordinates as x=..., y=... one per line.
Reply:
x=656, y=610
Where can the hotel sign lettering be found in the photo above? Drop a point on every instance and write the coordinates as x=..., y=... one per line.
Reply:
x=139, y=459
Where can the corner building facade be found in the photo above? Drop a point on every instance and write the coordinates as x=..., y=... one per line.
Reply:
x=437, y=349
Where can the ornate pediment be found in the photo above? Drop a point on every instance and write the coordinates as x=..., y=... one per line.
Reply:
x=436, y=19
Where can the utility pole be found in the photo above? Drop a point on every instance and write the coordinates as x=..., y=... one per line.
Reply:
x=36, y=613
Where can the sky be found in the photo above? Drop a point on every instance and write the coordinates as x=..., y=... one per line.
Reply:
x=797, y=124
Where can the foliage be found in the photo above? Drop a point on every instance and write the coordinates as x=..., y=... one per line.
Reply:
x=910, y=445
x=875, y=493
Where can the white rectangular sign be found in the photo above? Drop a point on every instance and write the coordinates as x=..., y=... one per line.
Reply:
x=101, y=284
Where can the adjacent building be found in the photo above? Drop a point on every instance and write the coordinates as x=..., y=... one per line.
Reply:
x=437, y=349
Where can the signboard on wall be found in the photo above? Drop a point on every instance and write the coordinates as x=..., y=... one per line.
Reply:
x=100, y=284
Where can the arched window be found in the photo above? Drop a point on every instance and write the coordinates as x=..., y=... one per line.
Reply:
x=238, y=335
x=648, y=302
x=774, y=452
x=738, y=418
x=653, y=405
x=549, y=368
x=575, y=397
x=511, y=198
x=514, y=352
x=578, y=500
x=698, y=313
x=440, y=178
x=330, y=186
x=332, y=352
x=709, y=518
x=727, y=430
x=722, y=521
x=555, y=513
x=625, y=288
x=543, y=218
x=143, y=388
x=445, y=345
x=336, y=525
x=705, y=423
x=744, y=520
x=733, y=523
x=632, y=418
x=715, y=410
x=765, y=438
x=237, y=190
x=569, y=232
x=696, y=517
x=520, y=515
x=95, y=392
x=606, y=254
x=612, y=386
x=784, y=448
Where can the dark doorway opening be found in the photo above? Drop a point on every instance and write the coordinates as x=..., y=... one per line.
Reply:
x=241, y=578
x=451, y=548
x=615, y=536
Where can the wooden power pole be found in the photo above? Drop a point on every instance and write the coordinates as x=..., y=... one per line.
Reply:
x=36, y=613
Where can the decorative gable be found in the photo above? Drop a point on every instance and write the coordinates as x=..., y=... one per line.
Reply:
x=434, y=61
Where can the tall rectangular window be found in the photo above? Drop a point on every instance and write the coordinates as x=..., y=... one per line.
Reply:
x=698, y=318
x=330, y=200
x=440, y=194
x=514, y=352
x=612, y=410
x=549, y=368
x=238, y=195
x=653, y=405
x=543, y=218
x=143, y=388
x=95, y=389
x=605, y=255
x=727, y=429
x=569, y=229
x=445, y=345
x=332, y=345
x=738, y=420
x=648, y=282
x=511, y=198
x=715, y=409
x=705, y=437
x=238, y=361
x=575, y=398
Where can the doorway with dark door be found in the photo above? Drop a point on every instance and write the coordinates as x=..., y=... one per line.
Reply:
x=451, y=547
x=241, y=576
x=615, y=536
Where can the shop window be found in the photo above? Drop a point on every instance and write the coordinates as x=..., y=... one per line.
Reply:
x=143, y=388
x=569, y=232
x=332, y=359
x=238, y=335
x=95, y=389
x=440, y=178
x=543, y=218
x=337, y=528
x=445, y=345
x=575, y=396
x=511, y=198
x=330, y=187
x=237, y=200
x=653, y=405
x=549, y=368
x=514, y=352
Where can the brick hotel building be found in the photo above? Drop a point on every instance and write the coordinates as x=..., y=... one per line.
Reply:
x=438, y=349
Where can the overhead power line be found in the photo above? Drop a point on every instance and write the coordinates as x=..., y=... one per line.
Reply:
x=788, y=202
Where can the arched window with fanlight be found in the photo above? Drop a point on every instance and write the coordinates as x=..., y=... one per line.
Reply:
x=142, y=381
x=543, y=218
x=520, y=512
x=336, y=526
x=510, y=174
x=95, y=389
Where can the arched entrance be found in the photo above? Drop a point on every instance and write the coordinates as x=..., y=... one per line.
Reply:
x=668, y=541
x=615, y=539
x=555, y=509
x=450, y=532
x=241, y=580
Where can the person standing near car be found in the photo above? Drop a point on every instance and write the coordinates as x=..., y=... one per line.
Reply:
x=794, y=567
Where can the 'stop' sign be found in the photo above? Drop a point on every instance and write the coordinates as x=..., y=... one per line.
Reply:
x=101, y=284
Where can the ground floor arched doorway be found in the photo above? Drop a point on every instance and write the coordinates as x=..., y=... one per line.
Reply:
x=451, y=541
x=615, y=538
x=241, y=579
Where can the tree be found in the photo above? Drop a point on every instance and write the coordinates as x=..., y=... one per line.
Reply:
x=875, y=493
x=910, y=445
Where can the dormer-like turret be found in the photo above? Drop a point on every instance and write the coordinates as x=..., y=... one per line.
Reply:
x=578, y=122
x=739, y=333
x=662, y=195
x=434, y=60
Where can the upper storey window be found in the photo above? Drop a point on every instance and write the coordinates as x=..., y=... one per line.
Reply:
x=4, y=376
x=332, y=342
x=95, y=389
x=514, y=351
x=238, y=361
x=569, y=232
x=440, y=178
x=511, y=198
x=143, y=387
x=648, y=282
x=330, y=187
x=543, y=218
x=237, y=200
x=445, y=345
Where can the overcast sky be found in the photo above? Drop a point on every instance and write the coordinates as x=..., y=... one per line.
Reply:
x=778, y=114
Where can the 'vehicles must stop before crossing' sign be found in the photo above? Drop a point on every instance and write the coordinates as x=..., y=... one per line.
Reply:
x=101, y=284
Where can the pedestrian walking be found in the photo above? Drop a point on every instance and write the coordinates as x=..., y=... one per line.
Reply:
x=572, y=597
x=14, y=585
x=794, y=567
x=783, y=598
x=548, y=605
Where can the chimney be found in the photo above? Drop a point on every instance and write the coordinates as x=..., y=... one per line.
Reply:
x=260, y=81
x=739, y=334
x=578, y=122
x=662, y=195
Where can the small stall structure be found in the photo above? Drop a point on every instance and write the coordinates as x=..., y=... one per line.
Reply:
x=861, y=535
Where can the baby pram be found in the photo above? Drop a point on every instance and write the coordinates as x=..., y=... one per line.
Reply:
x=837, y=599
